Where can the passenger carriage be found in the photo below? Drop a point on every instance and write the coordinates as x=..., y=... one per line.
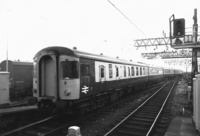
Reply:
x=75, y=79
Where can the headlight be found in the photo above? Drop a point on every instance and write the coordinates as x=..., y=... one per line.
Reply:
x=67, y=92
x=34, y=90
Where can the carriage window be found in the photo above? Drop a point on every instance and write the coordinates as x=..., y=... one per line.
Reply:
x=102, y=70
x=129, y=73
x=133, y=71
x=85, y=70
x=151, y=71
x=110, y=71
x=117, y=71
x=144, y=72
x=140, y=71
x=69, y=69
x=137, y=72
x=124, y=71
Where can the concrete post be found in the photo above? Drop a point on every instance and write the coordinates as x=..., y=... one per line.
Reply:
x=74, y=131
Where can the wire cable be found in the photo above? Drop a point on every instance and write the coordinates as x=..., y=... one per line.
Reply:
x=127, y=18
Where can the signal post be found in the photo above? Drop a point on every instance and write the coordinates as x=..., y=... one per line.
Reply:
x=195, y=50
x=179, y=40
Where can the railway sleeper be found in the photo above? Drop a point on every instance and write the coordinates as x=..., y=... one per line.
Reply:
x=139, y=122
x=45, y=128
x=38, y=130
x=145, y=116
x=124, y=132
x=153, y=111
x=136, y=127
x=145, y=113
x=141, y=119
x=143, y=127
x=33, y=133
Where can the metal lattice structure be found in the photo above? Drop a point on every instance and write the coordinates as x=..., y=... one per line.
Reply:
x=186, y=42
x=169, y=54
x=152, y=42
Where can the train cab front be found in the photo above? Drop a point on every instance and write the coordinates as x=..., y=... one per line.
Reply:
x=56, y=79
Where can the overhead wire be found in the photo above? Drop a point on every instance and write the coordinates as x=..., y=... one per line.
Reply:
x=128, y=19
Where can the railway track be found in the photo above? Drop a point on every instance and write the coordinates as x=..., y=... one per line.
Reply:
x=41, y=128
x=50, y=125
x=148, y=119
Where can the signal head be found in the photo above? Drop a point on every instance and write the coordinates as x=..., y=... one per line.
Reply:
x=179, y=27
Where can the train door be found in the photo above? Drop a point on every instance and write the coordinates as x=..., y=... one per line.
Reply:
x=102, y=77
x=47, y=74
x=4, y=87
x=129, y=75
x=117, y=72
x=69, y=81
x=85, y=78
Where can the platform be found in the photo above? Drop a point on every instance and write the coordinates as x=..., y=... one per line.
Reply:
x=17, y=109
x=182, y=126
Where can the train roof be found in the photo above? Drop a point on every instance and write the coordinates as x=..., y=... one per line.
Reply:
x=81, y=54
x=18, y=62
x=106, y=58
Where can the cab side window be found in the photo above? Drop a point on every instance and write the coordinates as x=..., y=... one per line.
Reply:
x=85, y=70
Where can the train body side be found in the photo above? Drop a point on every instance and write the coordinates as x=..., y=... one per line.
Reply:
x=53, y=81
x=155, y=74
x=21, y=78
x=62, y=74
x=110, y=76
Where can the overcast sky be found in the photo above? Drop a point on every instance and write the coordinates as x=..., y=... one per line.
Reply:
x=95, y=26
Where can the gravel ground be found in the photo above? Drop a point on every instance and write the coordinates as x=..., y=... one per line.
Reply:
x=182, y=105
x=99, y=125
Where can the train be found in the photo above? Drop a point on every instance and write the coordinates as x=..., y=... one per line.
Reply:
x=79, y=81
x=20, y=79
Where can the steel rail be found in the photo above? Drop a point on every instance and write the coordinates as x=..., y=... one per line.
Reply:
x=164, y=103
x=134, y=110
x=24, y=127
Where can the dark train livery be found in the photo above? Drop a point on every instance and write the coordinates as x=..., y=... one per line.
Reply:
x=77, y=80
x=21, y=78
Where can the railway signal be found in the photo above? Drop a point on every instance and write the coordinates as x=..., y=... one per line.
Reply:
x=179, y=27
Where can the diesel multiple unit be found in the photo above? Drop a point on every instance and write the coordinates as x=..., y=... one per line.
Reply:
x=75, y=80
